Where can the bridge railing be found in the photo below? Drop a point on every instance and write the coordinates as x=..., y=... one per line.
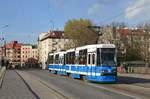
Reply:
x=2, y=73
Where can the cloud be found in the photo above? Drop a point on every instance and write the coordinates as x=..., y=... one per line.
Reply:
x=94, y=9
x=99, y=5
x=139, y=8
x=57, y=3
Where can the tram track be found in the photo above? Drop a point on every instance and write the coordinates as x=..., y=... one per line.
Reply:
x=55, y=91
x=41, y=85
x=121, y=89
x=28, y=86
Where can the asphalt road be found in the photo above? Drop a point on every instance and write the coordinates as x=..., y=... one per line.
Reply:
x=40, y=84
x=76, y=89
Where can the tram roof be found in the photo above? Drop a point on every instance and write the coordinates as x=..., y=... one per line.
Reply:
x=71, y=50
x=86, y=47
x=105, y=46
x=51, y=54
x=62, y=52
x=96, y=46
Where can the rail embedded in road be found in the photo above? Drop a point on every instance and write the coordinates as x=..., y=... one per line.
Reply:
x=40, y=87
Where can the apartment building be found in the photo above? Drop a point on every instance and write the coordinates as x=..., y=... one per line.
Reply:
x=51, y=41
x=28, y=51
x=12, y=52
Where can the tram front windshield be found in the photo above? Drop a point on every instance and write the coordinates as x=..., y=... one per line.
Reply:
x=107, y=56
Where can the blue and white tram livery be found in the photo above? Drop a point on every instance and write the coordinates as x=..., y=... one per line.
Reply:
x=57, y=63
x=95, y=62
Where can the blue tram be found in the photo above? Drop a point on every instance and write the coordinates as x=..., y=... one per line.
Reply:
x=95, y=62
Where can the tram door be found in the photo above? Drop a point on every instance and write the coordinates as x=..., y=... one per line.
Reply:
x=92, y=63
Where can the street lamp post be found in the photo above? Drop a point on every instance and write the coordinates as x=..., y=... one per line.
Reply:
x=2, y=39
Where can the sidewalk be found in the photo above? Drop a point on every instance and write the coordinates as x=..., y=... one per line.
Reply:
x=13, y=87
x=142, y=80
x=144, y=76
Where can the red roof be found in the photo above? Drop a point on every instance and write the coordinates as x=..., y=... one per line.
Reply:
x=56, y=34
x=123, y=32
x=53, y=34
x=13, y=44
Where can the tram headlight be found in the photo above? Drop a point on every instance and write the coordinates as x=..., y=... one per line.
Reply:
x=103, y=71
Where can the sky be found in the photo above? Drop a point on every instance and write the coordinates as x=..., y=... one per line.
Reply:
x=24, y=20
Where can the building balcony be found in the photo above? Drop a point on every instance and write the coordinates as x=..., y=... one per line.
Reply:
x=54, y=43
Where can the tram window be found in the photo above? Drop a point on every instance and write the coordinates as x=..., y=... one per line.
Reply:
x=50, y=59
x=61, y=61
x=93, y=59
x=70, y=57
x=67, y=58
x=64, y=61
x=83, y=56
x=98, y=57
x=77, y=60
x=57, y=59
x=89, y=58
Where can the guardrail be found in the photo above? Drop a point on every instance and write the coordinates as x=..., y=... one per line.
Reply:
x=134, y=69
x=2, y=73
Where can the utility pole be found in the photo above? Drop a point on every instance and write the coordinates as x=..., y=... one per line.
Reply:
x=3, y=48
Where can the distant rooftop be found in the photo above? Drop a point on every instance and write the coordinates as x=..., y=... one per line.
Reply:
x=33, y=46
x=53, y=34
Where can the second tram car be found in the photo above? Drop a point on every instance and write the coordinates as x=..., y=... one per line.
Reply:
x=95, y=62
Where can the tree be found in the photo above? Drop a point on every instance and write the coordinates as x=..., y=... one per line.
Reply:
x=32, y=63
x=78, y=31
x=133, y=54
x=144, y=25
